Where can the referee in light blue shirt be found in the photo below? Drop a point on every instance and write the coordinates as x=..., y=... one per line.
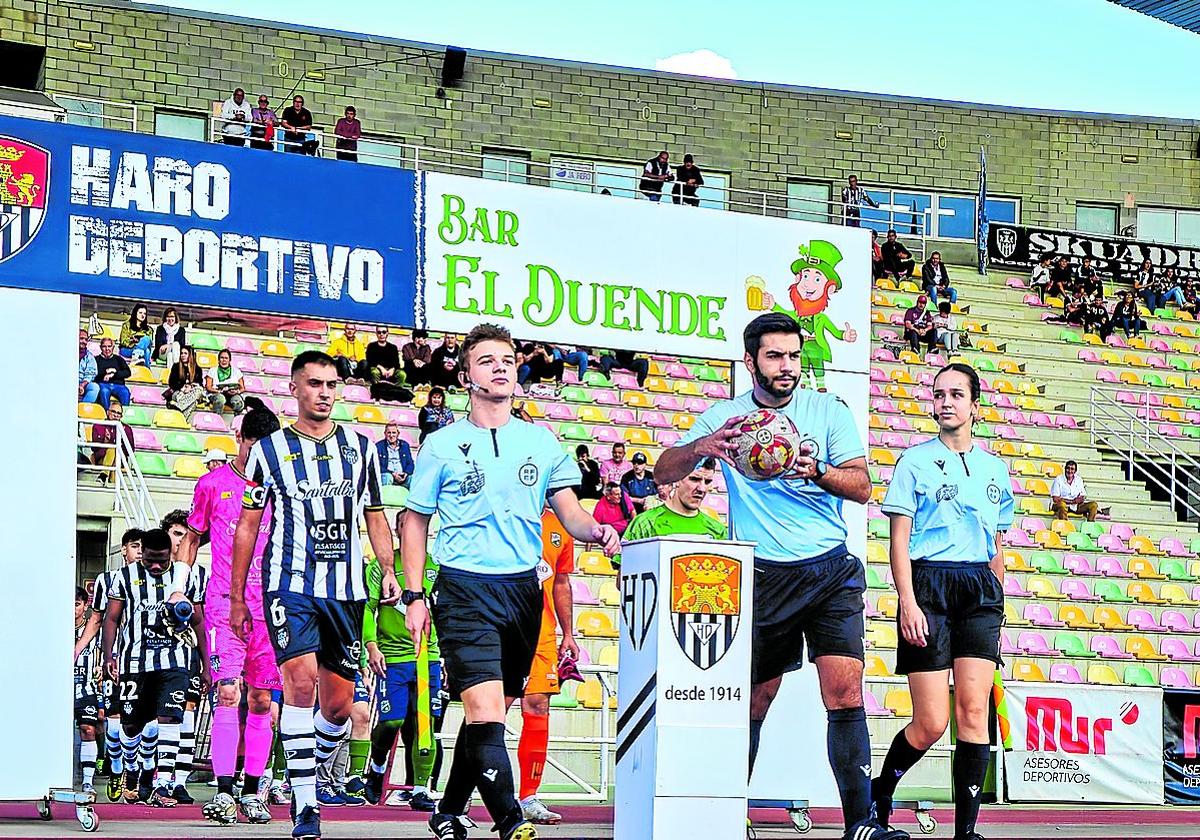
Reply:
x=948, y=501
x=488, y=479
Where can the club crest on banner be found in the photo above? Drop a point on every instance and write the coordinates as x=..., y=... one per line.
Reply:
x=706, y=605
x=24, y=184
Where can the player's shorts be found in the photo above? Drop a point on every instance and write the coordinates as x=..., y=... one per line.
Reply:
x=543, y=674
x=362, y=694
x=395, y=690
x=144, y=697
x=87, y=709
x=230, y=658
x=108, y=698
x=194, y=671
x=964, y=607
x=302, y=624
x=818, y=601
x=488, y=627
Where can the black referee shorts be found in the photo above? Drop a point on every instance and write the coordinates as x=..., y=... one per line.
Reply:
x=303, y=624
x=964, y=607
x=488, y=627
x=818, y=601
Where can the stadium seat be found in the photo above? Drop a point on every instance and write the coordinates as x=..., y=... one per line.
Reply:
x=874, y=579
x=1014, y=589
x=1173, y=593
x=140, y=373
x=1110, y=591
x=1077, y=590
x=145, y=440
x=575, y=432
x=595, y=624
x=1024, y=671
x=147, y=394
x=882, y=636
x=1042, y=587
x=1174, y=678
x=1177, y=621
x=876, y=667
x=1101, y=674
x=1011, y=617
x=872, y=705
x=1177, y=650
x=1075, y=618
x=1111, y=567
x=151, y=464
x=608, y=594
x=278, y=349
x=1144, y=621
x=369, y=414
x=1143, y=593
x=594, y=563
x=1064, y=672
x=90, y=411
x=581, y=593
x=208, y=421
x=1039, y=616
x=1142, y=648
x=182, y=443
x=137, y=416
x=590, y=695
x=1139, y=675
x=888, y=604
x=1047, y=563
x=876, y=551
x=1108, y=647
x=899, y=702
x=189, y=466
x=608, y=655
x=169, y=418
x=1110, y=619
x=1173, y=568
x=1014, y=561
x=565, y=699
x=1071, y=644
x=1035, y=644
x=1007, y=648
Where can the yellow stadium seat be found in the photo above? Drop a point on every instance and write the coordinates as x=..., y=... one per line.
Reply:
x=878, y=494
x=1135, y=360
x=590, y=695
x=882, y=636
x=1175, y=594
x=1075, y=618
x=657, y=385
x=189, y=466
x=912, y=408
x=888, y=604
x=899, y=701
x=595, y=624
x=1128, y=377
x=169, y=418
x=876, y=667
x=987, y=346
x=608, y=594
x=1098, y=674
x=1024, y=671
x=534, y=408
x=682, y=420
x=902, y=376
x=1062, y=527
x=1092, y=339
x=882, y=456
x=885, y=284
x=1142, y=593
x=1051, y=469
x=877, y=553
x=1137, y=343
x=639, y=437
x=1055, y=303
x=90, y=411
x=1005, y=449
x=1174, y=380
x=1143, y=648
x=1049, y=539
x=141, y=374
x=1012, y=618
x=687, y=388
x=1043, y=587
x=990, y=415
x=1033, y=450
x=608, y=656
x=878, y=317
x=925, y=425
x=1144, y=567
x=594, y=414
x=897, y=391
x=206, y=359
x=637, y=399
x=880, y=299
x=1110, y=618
x=1014, y=561
x=225, y=444
x=908, y=285
x=369, y=414
x=1027, y=468
x=1004, y=386
x=1037, y=486
x=594, y=563
x=1011, y=368
x=876, y=422
x=1110, y=358
x=278, y=349
x=1144, y=545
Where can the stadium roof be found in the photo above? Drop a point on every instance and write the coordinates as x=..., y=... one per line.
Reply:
x=1182, y=13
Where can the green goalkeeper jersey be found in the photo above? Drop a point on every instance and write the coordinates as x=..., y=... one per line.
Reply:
x=664, y=522
x=384, y=624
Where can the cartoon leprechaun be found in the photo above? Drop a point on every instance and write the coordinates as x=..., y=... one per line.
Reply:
x=815, y=279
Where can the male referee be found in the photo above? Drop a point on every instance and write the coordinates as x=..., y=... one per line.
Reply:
x=489, y=479
x=807, y=586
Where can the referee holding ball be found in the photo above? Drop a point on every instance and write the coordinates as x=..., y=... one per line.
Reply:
x=489, y=479
x=948, y=501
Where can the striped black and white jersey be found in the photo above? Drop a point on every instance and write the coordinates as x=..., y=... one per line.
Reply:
x=318, y=490
x=146, y=641
x=87, y=666
x=100, y=590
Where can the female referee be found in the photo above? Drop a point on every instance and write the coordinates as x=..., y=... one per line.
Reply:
x=948, y=501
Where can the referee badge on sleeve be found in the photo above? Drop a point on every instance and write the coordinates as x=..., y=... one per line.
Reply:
x=706, y=605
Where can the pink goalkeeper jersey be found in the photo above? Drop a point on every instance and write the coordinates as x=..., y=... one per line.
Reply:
x=216, y=506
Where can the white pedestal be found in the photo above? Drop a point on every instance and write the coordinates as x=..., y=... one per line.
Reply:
x=684, y=692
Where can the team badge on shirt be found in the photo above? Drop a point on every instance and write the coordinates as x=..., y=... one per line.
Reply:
x=350, y=454
x=993, y=493
x=706, y=605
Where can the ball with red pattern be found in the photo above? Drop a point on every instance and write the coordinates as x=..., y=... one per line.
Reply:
x=767, y=445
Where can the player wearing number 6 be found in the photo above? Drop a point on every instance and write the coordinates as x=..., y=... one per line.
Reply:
x=948, y=502
x=318, y=478
x=488, y=479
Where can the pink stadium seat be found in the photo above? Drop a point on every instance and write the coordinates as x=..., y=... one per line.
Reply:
x=288, y=408
x=716, y=390
x=1174, y=678
x=561, y=411
x=623, y=379
x=623, y=417
x=878, y=375
x=1017, y=538
x=1089, y=356
x=1003, y=401
x=675, y=370
x=882, y=354
x=1108, y=647
x=656, y=420
x=1035, y=645
x=240, y=344
x=1008, y=433
x=667, y=438
x=1015, y=283
x=370, y=433
x=1077, y=590
x=1161, y=329
x=146, y=395
x=1066, y=421
x=1170, y=430
x=1174, y=547
x=875, y=390
x=1106, y=375
x=607, y=434
x=668, y=402
x=695, y=405
x=1039, y=615
x=1112, y=542
x=1156, y=362
x=893, y=440
x=935, y=359
x=570, y=376
x=1078, y=564
x=1144, y=620
x=145, y=440
x=873, y=438
x=1018, y=418
x=1033, y=524
x=1007, y=647
x=1177, y=622
x=1042, y=419
x=873, y=707
x=1065, y=672
x=606, y=396
x=1115, y=340
x=720, y=504
x=883, y=405
x=280, y=387
x=1177, y=650
x=1033, y=300
x=1018, y=488
x=1121, y=530
x=1129, y=398
x=246, y=364
x=1111, y=567
x=888, y=335
x=581, y=594
x=899, y=423
x=254, y=385
x=1014, y=589
x=207, y=421
x=276, y=367
x=1196, y=597
x=355, y=394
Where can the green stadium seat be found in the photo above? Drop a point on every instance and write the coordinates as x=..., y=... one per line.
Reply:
x=1110, y=590
x=204, y=341
x=1139, y=675
x=1174, y=569
x=574, y=394
x=1070, y=337
x=1047, y=563
x=878, y=528
x=1081, y=541
x=1072, y=644
x=304, y=347
x=1193, y=546
x=874, y=579
x=1093, y=529
x=1180, y=363
x=342, y=413
x=1153, y=380
x=394, y=495
x=457, y=401
x=708, y=373
x=564, y=699
x=135, y=415
x=596, y=379
x=152, y=464
x=574, y=431
x=983, y=430
x=986, y=365
x=183, y=443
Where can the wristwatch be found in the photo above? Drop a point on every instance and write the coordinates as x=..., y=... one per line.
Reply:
x=408, y=596
x=819, y=470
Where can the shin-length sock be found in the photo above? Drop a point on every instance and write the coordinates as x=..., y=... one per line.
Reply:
x=901, y=757
x=187, y=747
x=970, y=769
x=849, y=746
x=148, y=751
x=223, y=746
x=131, y=746
x=88, y=750
x=383, y=741
x=461, y=783
x=423, y=767
x=299, y=746
x=532, y=749
x=258, y=743
x=493, y=774
x=359, y=750
x=328, y=735
x=168, y=753
x=112, y=746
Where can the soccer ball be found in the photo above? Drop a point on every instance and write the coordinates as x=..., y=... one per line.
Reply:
x=767, y=445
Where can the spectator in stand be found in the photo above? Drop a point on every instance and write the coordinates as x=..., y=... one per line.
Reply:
x=945, y=292
x=225, y=386
x=945, y=328
x=395, y=456
x=664, y=492
x=877, y=271
x=383, y=359
x=614, y=508
x=1125, y=316
x=88, y=389
x=1088, y=280
x=349, y=352
x=656, y=173
x=589, y=470
x=1148, y=287
x=1067, y=494
x=1039, y=279
x=106, y=456
x=614, y=468
x=417, y=354
x=434, y=415
x=638, y=483
x=1074, y=307
x=169, y=336
x=1095, y=316
x=1171, y=290
x=853, y=199
x=933, y=272
x=540, y=364
x=1060, y=279
x=897, y=260
x=918, y=326
x=1191, y=297
x=443, y=363
x=262, y=129
x=1143, y=278
x=625, y=360
x=297, y=124
x=348, y=131
x=137, y=342
x=111, y=372
x=237, y=115
x=214, y=459
x=185, y=384
x=578, y=357
x=687, y=180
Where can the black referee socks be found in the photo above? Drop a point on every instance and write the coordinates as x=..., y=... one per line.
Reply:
x=900, y=759
x=494, y=776
x=849, y=746
x=461, y=782
x=970, y=769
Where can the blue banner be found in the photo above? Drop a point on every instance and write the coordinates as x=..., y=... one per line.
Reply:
x=125, y=215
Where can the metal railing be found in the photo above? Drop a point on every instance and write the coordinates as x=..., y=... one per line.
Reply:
x=131, y=496
x=1128, y=429
x=98, y=113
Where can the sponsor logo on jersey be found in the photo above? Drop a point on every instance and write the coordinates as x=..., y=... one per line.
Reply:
x=306, y=489
x=214, y=662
